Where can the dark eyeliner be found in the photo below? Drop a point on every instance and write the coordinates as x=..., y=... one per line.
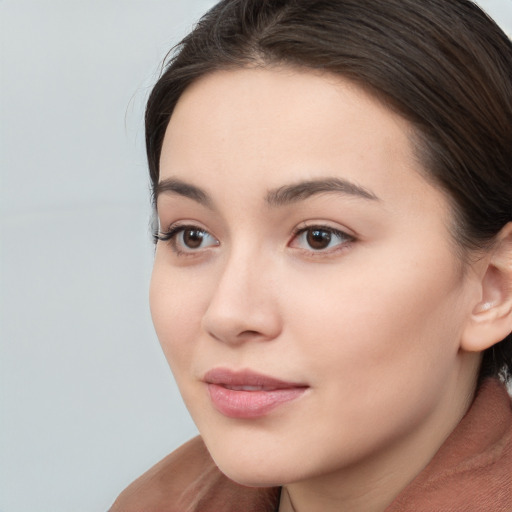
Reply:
x=175, y=238
x=165, y=236
x=329, y=229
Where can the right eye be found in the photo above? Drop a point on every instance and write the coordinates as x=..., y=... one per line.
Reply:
x=187, y=239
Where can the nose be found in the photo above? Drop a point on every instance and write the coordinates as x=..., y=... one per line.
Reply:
x=244, y=304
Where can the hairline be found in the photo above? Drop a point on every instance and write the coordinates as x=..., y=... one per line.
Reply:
x=417, y=138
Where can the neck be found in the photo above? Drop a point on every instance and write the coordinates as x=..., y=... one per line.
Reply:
x=372, y=484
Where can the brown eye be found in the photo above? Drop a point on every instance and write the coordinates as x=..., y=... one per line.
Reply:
x=318, y=239
x=193, y=238
x=321, y=239
x=187, y=239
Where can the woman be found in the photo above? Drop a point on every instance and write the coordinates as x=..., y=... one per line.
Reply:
x=332, y=284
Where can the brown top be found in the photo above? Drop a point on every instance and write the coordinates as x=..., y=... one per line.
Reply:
x=471, y=472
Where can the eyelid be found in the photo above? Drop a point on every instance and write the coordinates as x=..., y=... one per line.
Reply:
x=347, y=238
x=325, y=225
x=175, y=229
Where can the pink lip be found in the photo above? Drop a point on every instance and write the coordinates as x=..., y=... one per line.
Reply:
x=229, y=397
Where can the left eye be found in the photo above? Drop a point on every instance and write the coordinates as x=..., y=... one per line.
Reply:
x=318, y=238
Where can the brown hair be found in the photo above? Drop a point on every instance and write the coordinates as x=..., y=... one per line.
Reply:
x=444, y=65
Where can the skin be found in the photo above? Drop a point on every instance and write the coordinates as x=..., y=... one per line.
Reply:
x=372, y=324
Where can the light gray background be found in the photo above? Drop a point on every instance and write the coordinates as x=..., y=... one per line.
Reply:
x=87, y=402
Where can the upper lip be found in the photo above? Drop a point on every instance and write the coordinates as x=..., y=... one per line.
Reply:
x=247, y=378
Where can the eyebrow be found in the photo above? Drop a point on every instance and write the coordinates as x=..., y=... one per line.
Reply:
x=305, y=189
x=278, y=197
x=181, y=188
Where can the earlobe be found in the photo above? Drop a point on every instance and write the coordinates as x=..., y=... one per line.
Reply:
x=491, y=318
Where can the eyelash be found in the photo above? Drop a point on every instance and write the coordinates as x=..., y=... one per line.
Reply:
x=345, y=239
x=174, y=230
x=166, y=236
x=171, y=234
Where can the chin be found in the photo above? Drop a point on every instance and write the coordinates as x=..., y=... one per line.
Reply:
x=250, y=468
x=257, y=478
x=251, y=473
x=257, y=467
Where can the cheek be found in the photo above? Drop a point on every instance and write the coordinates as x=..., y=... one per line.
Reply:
x=380, y=346
x=377, y=321
x=176, y=311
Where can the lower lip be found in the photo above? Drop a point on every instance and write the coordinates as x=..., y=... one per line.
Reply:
x=250, y=404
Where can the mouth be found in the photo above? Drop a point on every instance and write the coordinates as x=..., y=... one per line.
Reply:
x=247, y=394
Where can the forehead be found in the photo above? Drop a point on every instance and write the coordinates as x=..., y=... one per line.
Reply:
x=257, y=128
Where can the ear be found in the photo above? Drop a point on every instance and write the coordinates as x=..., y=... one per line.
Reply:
x=491, y=318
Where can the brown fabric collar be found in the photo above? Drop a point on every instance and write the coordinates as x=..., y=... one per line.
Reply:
x=471, y=472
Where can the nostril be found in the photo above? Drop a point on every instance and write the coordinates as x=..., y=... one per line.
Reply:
x=235, y=317
x=249, y=333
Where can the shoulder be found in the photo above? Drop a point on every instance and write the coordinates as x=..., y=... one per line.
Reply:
x=188, y=480
x=473, y=469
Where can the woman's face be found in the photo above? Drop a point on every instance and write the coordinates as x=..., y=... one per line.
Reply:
x=306, y=293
